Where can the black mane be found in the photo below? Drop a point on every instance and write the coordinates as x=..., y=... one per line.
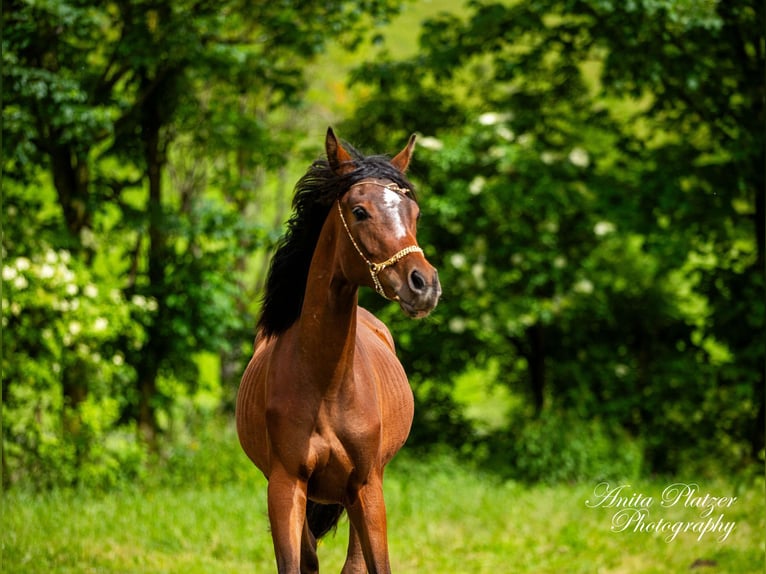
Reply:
x=315, y=193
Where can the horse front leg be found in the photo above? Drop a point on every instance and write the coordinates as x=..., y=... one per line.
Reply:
x=367, y=512
x=287, y=515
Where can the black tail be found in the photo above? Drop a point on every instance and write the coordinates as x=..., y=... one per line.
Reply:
x=322, y=517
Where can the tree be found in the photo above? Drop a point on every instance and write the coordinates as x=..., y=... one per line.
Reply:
x=101, y=102
x=598, y=208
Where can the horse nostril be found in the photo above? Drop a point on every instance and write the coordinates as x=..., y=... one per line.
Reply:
x=417, y=281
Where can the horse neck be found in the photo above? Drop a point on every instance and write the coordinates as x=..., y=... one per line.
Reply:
x=327, y=325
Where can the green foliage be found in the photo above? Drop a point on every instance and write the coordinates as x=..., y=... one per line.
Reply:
x=204, y=453
x=594, y=202
x=559, y=448
x=136, y=142
x=592, y=177
x=65, y=332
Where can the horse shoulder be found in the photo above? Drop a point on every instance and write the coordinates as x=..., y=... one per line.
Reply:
x=376, y=326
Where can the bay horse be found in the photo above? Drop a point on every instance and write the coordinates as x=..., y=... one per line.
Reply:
x=324, y=403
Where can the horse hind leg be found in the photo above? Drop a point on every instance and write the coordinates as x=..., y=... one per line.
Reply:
x=320, y=519
x=309, y=558
x=354, y=557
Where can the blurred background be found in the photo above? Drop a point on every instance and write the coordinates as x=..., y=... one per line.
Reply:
x=591, y=175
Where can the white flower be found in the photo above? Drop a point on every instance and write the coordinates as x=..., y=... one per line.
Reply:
x=492, y=118
x=9, y=273
x=525, y=140
x=151, y=305
x=118, y=359
x=603, y=228
x=550, y=226
x=457, y=325
x=75, y=328
x=69, y=275
x=91, y=291
x=579, y=157
x=139, y=301
x=505, y=133
x=51, y=257
x=71, y=289
x=47, y=271
x=22, y=264
x=477, y=270
x=584, y=287
x=20, y=282
x=87, y=237
x=431, y=143
x=100, y=324
x=548, y=157
x=498, y=151
x=560, y=262
x=477, y=184
x=458, y=260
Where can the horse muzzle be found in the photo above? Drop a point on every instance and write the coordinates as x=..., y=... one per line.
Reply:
x=421, y=294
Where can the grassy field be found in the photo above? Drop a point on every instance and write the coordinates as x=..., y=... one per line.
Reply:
x=442, y=518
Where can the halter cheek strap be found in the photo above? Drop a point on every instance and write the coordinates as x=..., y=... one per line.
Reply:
x=376, y=268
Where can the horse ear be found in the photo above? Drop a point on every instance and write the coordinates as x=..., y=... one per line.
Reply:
x=340, y=160
x=402, y=159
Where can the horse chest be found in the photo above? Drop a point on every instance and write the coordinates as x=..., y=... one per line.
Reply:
x=353, y=437
x=341, y=459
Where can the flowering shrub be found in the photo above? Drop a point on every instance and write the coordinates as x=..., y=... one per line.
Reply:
x=65, y=333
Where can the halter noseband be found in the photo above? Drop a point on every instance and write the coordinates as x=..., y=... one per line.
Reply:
x=376, y=268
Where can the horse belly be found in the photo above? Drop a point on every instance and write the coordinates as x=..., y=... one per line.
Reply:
x=395, y=400
x=251, y=409
x=397, y=412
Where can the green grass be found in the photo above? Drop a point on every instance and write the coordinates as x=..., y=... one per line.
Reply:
x=442, y=518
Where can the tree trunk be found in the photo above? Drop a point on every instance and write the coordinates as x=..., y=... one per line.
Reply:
x=536, y=365
x=71, y=179
x=153, y=351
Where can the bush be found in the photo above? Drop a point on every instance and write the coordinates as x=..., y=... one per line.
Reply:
x=64, y=374
x=205, y=453
x=559, y=447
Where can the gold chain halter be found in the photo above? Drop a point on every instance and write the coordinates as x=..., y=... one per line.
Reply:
x=376, y=268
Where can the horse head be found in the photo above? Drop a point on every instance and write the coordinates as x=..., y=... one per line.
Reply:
x=379, y=217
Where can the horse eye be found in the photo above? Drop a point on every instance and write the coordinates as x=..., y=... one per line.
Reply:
x=360, y=213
